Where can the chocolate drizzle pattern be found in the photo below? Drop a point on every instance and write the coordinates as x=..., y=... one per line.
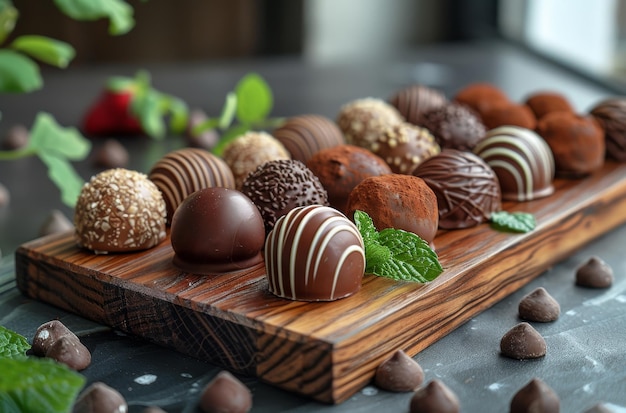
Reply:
x=305, y=135
x=611, y=114
x=414, y=101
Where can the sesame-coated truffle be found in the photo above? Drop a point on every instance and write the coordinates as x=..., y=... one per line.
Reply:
x=305, y=135
x=414, y=101
x=361, y=120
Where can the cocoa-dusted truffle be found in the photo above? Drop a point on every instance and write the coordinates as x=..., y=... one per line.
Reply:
x=481, y=96
x=111, y=154
x=540, y=306
x=467, y=189
x=119, y=210
x=100, y=398
x=343, y=167
x=362, y=120
x=535, y=397
x=415, y=100
x=523, y=342
x=434, y=397
x=276, y=187
x=216, y=230
x=247, y=152
x=225, y=393
x=510, y=114
x=542, y=103
x=185, y=171
x=314, y=253
x=397, y=201
x=454, y=126
x=305, y=135
x=521, y=159
x=399, y=373
x=594, y=273
x=611, y=115
x=577, y=143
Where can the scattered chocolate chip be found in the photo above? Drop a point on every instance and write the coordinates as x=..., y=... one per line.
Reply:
x=399, y=373
x=595, y=273
x=535, y=397
x=71, y=352
x=5, y=196
x=225, y=393
x=540, y=306
x=100, y=398
x=47, y=334
x=153, y=409
x=434, y=397
x=54, y=223
x=523, y=342
x=600, y=408
x=17, y=137
x=112, y=154
x=205, y=139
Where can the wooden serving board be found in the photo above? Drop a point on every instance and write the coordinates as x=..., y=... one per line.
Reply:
x=326, y=351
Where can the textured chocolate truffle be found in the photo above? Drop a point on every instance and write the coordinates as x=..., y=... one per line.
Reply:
x=481, y=97
x=454, y=126
x=249, y=151
x=314, y=253
x=539, y=305
x=523, y=342
x=305, y=135
x=535, y=397
x=521, y=159
x=595, y=273
x=467, y=189
x=55, y=222
x=111, y=154
x=361, y=120
x=397, y=201
x=343, y=167
x=510, y=114
x=100, y=398
x=276, y=187
x=611, y=115
x=119, y=210
x=182, y=172
x=399, y=373
x=225, y=394
x=414, y=101
x=542, y=103
x=216, y=230
x=434, y=397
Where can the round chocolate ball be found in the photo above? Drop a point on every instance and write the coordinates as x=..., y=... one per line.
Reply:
x=217, y=230
x=314, y=253
x=455, y=126
x=305, y=135
x=404, y=145
x=510, y=114
x=361, y=120
x=542, y=103
x=611, y=115
x=414, y=101
x=481, y=97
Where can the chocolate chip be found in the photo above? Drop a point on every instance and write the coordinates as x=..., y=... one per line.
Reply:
x=535, y=397
x=595, y=273
x=55, y=222
x=71, y=352
x=206, y=139
x=434, y=397
x=225, y=393
x=5, y=196
x=539, y=305
x=112, y=154
x=523, y=342
x=47, y=334
x=17, y=137
x=100, y=398
x=399, y=373
x=153, y=409
x=600, y=408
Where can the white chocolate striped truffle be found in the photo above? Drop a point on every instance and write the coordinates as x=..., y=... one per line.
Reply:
x=521, y=159
x=305, y=135
x=314, y=253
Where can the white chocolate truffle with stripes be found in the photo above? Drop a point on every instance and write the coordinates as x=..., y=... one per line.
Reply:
x=314, y=253
x=521, y=159
x=305, y=135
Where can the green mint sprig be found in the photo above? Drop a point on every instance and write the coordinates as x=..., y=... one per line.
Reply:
x=395, y=253
x=12, y=344
x=512, y=221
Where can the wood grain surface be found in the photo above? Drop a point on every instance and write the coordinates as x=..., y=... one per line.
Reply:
x=326, y=351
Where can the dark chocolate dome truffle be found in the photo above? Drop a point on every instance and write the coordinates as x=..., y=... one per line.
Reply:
x=414, y=101
x=467, y=189
x=611, y=115
x=361, y=120
x=535, y=397
x=216, y=230
x=314, y=253
x=542, y=103
x=185, y=171
x=434, y=397
x=454, y=126
x=343, y=167
x=521, y=159
x=276, y=187
x=304, y=135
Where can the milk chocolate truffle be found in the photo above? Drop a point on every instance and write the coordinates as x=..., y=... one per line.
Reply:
x=47, y=334
x=305, y=135
x=521, y=159
x=397, y=201
x=70, y=352
x=112, y=154
x=414, y=101
x=399, y=373
x=577, y=143
x=314, y=253
x=535, y=397
x=225, y=394
x=100, y=398
x=481, y=97
x=185, y=171
x=361, y=120
x=276, y=187
x=454, y=126
x=467, y=189
x=434, y=397
x=595, y=273
x=542, y=103
x=217, y=230
x=523, y=342
x=540, y=306
x=343, y=167
x=249, y=151
x=611, y=115
x=510, y=114
x=119, y=210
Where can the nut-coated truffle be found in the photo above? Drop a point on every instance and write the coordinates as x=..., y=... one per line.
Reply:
x=454, y=126
x=415, y=100
x=305, y=135
x=361, y=120
x=611, y=115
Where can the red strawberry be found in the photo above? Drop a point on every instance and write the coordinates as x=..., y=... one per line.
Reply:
x=111, y=115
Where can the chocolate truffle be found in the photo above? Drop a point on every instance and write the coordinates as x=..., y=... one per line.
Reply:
x=47, y=334
x=111, y=154
x=600, y=408
x=481, y=97
x=397, y=201
x=217, y=230
x=510, y=114
x=71, y=352
x=535, y=397
x=521, y=159
x=415, y=100
x=454, y=126
x=577, y=143
x=542, y=103
x=314, y=253
x=361, y=120
x=523, y=342
x=185, y=171
x=100, y=398
x=249, y=151
x=343, y=167
x=466, y=188
x=434, y=397
x=119, y=210
x=17, y=137
x=276, y=187
x=399, y=373
x=595, y=273
x=540, y=306
x=611, y=115
x=225, y=393
x=55, y=222
x=305, y=135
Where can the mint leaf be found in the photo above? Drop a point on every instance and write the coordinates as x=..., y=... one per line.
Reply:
x=228, y=111
x=50, y=51
x=254, y=99
x=119, y=13
x=37, y=385
x=18, y=73
x=61, y=172
x=365, y=225
x=47, y=136
x=512, y=221
x=8, y=17
x=12, y=344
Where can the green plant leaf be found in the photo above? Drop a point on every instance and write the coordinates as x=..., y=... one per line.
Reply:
x=119, y=13
x=8, y=17
x=512, y=221
x=148, y=109
x=228, y=111
x=18, y=73
x=47, y=136
x=254, y=99
x=50, y=51
x=61, y=172
x=179, y=114
x=12, y=344
x=365, y=225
